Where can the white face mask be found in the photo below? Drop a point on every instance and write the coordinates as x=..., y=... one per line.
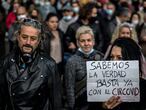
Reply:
x=76, y=9
x=80, y=49
x=109, y=12
x=47, y=3
x=42, y=3
x=37, y=2
x=135, y=22
x=67, y=18
x=19, y=17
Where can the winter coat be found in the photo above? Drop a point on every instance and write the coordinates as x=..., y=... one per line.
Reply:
x=75, y=80
x=37, y=88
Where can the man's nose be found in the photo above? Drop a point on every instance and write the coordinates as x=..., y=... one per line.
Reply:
x=28, y=41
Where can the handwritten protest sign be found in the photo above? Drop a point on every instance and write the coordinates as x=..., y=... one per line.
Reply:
x=108, y=78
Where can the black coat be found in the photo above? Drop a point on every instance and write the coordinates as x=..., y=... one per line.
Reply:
x=38, y=88
x=46, y=41
x=46, y=46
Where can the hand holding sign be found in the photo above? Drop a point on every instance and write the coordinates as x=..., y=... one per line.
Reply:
x=112, y=102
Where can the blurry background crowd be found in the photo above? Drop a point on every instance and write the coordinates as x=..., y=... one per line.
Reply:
x=62, y=18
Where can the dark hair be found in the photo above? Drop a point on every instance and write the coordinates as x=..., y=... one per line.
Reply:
x=124, y=4
x=135, y=13
x=130, y=49
x=86, y=10
x=122, y=11
x=30, y=22
x=50, y=15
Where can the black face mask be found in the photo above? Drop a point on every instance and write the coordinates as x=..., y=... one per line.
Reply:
x=92, y=20
x=34, y=17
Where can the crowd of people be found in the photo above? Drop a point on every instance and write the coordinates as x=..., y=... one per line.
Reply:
x=43, y=65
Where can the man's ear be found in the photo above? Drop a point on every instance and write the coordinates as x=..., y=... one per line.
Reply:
x=16, y=35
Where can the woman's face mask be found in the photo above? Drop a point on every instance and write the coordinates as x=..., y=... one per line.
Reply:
x=76, y=9
x=67, y=18
x=135, y=22
x=109, y=11
x=19, y=17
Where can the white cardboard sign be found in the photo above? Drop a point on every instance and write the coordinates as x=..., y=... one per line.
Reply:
x=113, y=78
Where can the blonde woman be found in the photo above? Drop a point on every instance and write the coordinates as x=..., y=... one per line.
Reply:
x=123, y=30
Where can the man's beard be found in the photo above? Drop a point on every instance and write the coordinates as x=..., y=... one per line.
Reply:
x=27, y=46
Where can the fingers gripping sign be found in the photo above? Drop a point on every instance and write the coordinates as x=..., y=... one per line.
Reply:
x=112, y=102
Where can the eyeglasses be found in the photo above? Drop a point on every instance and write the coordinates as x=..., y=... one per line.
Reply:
x=32, y=22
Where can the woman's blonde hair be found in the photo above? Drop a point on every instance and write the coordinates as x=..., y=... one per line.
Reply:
x=84, y=30
x=116, y=33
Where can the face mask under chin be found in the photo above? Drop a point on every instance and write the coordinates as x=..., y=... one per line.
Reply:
x=27, y=58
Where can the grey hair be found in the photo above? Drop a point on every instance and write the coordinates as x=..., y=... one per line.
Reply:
x=84, y=30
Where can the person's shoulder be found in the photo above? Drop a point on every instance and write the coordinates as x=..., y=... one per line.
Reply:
x=47, y=59
x=60, y=31
x=6, y=60
x=16, y=24
x=74, y=25
x=74, y=59
x=100, y=54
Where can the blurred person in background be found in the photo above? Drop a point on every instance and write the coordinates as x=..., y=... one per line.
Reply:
x=135, y=20
x=84, y=2
x=142, y=36
x=46, y=7
x=60, y=5
x=35, y=14
x=107, y=23
x=21, y=14
x=88, y=17
x=142, y=9
x=75, y=8
x=143, y=24
x=67, y=18
x=123, y=30
x=6, y=4
x=136, y=5
x=142, y=41
x=125, y=4
x=11, y=17
x=52, y=43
